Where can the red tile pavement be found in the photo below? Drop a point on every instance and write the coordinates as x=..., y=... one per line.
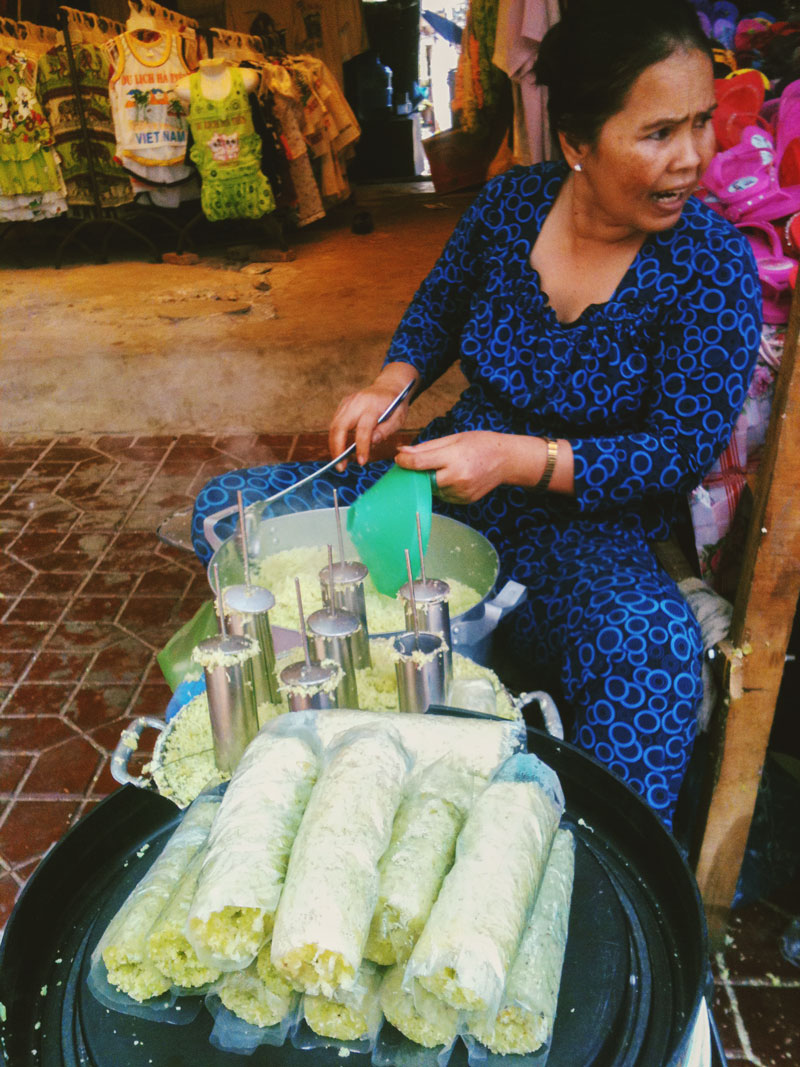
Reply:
x=89, y=596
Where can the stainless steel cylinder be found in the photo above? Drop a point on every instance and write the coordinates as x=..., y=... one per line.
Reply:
x=247, y=611
x=228, y=665
x=421, y=671
x=433, y=612
x=348, y=591
x=309, y=686
x=334, y=635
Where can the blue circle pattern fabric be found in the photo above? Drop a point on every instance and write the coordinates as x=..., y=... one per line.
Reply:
x=646, y=388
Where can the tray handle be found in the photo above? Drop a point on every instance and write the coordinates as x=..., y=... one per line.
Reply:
x=126, y=746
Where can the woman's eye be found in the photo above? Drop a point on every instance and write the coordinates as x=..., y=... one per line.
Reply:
x=660, y=135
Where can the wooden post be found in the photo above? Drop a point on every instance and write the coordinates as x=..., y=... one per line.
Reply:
x=764, y=610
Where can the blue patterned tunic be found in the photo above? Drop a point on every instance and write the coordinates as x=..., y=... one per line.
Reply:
x=646, y=388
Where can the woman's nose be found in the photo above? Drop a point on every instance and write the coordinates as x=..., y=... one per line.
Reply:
x=689, y=150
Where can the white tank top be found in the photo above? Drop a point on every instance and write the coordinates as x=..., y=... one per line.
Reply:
x=149, y=119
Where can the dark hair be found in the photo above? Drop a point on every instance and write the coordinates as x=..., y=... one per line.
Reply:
x=591, y=58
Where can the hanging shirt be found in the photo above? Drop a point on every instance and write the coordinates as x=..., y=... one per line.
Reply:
x=57, y=94
x=227, y=152
x=31, y=185
x=149, y=119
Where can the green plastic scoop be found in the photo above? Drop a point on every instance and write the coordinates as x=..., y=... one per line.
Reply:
x=382, y=524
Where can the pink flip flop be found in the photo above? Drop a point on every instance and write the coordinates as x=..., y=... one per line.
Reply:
x=742, y=182
x=787, y=135
x=775, y=270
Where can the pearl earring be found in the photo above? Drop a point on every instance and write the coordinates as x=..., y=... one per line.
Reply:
x=578, y=167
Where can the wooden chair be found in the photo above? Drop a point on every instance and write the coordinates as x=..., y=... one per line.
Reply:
x=750, y=663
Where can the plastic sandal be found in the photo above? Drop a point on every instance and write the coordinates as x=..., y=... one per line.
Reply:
x=743, y=182
x=787, y=136
x=775, y=270
x=740, y=98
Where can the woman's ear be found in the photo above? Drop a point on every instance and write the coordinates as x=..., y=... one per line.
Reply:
x=573, y=152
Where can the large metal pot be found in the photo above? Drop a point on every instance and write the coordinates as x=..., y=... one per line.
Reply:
x=455, y=551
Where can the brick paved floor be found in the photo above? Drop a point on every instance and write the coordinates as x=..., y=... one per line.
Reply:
x=90, y=595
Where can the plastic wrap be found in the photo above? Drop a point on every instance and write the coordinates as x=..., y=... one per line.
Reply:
x=332, y=883
x=525, y=1022
x=353, y=1020
x=419, y=855
x=241, y=880
x=421, y=1017
x=232, y=1034
x=245, y=995
x=251, y=1007
x=475, y=927
x=167, y=944
x=123, y=948
x=478, y=746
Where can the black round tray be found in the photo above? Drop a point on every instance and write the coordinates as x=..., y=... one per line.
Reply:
x=633, y=974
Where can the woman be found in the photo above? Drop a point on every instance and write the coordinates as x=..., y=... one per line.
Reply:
x=608, y=325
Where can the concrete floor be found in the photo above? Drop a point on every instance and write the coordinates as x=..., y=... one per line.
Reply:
x=137, y=347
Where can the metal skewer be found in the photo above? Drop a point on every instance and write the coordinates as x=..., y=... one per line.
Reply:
x=243, y=533
x=331, y=595
x=303, y=634
x=421, y=552
x=338, y=529
x=414, y=619
x=223, y=629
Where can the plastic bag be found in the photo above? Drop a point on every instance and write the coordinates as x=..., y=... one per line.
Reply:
x=175, y=658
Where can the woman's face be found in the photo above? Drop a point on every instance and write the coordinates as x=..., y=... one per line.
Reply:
x=650, y=156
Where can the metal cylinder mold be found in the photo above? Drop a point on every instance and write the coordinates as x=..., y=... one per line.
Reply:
x=310, y=686
x=334, y=635
x=421, y=671
x=431, y=597
x=227, y=661
x=348, y=592
x=247, y=610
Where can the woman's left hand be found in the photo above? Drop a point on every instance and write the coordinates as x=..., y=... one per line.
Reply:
x=467, y=465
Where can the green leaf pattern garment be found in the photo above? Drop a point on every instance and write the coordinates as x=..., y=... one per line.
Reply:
x=227, y=152
x=28, y=163
x=57, y=94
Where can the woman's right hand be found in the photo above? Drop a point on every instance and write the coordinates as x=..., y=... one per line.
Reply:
x=359, y=412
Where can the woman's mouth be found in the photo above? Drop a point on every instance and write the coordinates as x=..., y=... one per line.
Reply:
x=671, y=198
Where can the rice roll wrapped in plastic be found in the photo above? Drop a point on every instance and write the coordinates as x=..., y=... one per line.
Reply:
x=246, y=995
x=525, y=1022
x=354, y=1015
x=476, y=925
x=269, y=973
x=124, y=944
x=241, y=879
x=420, y=1016
x=167, y=943
x=332, y=883
x=477, y=745
x=419, y=855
